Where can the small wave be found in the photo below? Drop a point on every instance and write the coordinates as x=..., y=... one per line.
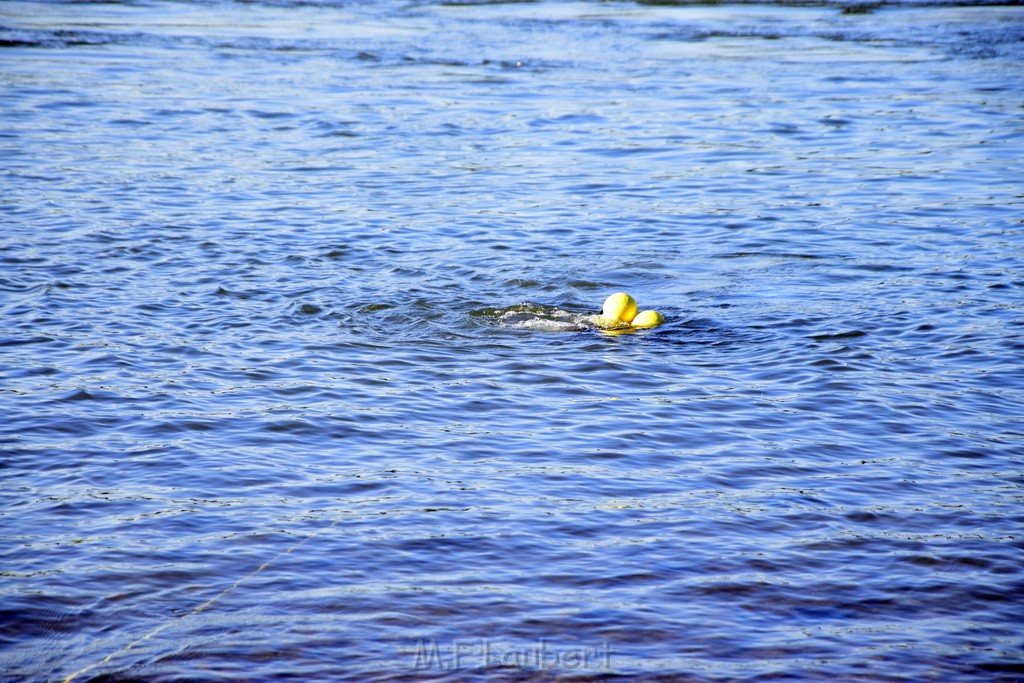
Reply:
x=546, y=325
x=532, y=316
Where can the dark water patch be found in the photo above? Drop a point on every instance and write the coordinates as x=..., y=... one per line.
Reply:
x=768, y=255
x=23, y=341
x=15, y=43
x=835, y=336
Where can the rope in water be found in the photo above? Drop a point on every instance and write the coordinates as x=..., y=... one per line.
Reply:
x=201, y=608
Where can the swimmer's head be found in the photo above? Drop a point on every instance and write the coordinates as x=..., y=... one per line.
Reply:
x=619, y=307
x=648, y=319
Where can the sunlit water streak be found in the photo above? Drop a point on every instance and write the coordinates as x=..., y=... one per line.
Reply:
x=300, y=379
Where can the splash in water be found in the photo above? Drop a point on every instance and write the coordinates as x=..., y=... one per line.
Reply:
x=619, y=314
x=532, y=316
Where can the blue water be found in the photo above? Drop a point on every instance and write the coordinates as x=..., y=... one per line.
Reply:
x=295, y=382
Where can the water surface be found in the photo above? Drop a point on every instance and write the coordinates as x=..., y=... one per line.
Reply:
x=294, y=383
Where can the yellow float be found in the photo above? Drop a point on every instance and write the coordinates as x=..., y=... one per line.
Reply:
x=648, y=319
x=620, y=313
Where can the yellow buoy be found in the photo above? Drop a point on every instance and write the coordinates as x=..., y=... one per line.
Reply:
x=619, y=308
x=648, y=319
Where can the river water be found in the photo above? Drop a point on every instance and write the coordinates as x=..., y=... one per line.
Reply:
x=296, y=382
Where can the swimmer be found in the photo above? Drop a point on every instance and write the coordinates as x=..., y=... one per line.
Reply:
x=620, y=312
